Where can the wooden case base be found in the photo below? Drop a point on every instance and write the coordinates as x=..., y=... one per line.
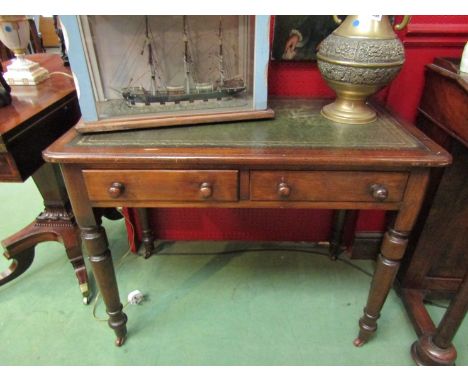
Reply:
x=143, y=122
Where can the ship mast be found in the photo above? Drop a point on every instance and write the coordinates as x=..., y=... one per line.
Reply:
x=221, y=63
x=150, y=57
x=187, y=59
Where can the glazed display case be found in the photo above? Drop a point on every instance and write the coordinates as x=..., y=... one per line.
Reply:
x=156, y=71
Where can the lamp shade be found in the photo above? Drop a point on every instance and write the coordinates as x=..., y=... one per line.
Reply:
x=14, y=33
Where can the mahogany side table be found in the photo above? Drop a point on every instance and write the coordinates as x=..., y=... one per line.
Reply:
x=37, y=116
x=297, y=160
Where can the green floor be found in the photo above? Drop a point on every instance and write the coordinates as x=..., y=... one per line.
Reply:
x=252, y=304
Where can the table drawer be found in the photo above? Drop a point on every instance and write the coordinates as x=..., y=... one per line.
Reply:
x=162, y=185
x=338, y=186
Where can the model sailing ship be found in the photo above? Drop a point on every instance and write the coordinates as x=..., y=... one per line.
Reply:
x=159, y=93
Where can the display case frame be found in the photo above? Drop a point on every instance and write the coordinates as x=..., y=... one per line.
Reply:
x=89, y=75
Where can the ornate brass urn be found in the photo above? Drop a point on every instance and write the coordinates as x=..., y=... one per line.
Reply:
x=360, y=57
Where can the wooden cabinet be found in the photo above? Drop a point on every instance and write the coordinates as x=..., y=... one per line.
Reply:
x=437, y=254
x=47, y=29
x=437, y=259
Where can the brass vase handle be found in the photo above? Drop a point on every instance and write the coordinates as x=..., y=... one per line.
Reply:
x=337, y=20
x=404, y=23
x=398, y=27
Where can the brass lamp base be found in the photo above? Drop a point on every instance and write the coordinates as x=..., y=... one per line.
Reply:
x=354, y=112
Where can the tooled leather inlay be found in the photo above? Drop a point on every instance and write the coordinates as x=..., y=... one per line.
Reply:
x=297, y=124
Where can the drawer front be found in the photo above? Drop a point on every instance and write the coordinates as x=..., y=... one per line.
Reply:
x=322, y=186
x=162, y=185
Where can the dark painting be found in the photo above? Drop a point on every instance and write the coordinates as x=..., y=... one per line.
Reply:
x=296, y=37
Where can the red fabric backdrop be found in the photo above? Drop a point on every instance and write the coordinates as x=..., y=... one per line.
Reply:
x=426, y=37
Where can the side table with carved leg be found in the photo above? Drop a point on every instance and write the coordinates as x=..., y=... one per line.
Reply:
x=38, y=116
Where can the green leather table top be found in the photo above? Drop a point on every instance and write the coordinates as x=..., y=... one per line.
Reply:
x=297, y=123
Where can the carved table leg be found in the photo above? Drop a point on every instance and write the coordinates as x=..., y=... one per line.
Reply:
x=72, y=242
x=147, y=232
x=56, y=223
x=61, y=228
x=336, y=239
x=21, y=261
x=437, y=349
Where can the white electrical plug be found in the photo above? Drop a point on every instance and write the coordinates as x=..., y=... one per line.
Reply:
x=135, y=297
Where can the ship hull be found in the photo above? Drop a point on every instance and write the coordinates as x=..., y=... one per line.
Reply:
x=148, y=98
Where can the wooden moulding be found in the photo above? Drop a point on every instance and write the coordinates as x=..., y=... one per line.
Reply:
x=145, y=122
x=8, y=170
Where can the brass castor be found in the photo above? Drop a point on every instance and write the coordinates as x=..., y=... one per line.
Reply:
x=358, y=342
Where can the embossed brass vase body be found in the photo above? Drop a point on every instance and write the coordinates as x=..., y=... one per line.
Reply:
x=360, y=57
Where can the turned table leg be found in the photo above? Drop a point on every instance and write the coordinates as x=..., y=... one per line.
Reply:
x=147, y=232
x=436, y=349
x=388, y=262
x=336, y=239
x=392, y=251
x=97, y=249
x=95, y=242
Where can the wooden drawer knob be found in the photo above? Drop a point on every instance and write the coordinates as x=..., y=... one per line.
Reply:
x=284, y=190
x=206, y=190
x=379, y=192
x=116, y=189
